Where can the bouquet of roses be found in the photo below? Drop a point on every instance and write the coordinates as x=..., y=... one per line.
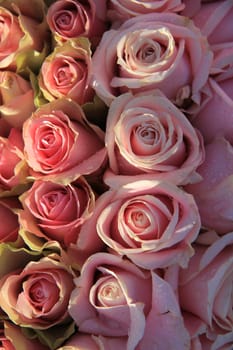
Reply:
x=116, y=174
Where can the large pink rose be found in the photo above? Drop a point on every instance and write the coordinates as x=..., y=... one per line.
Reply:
x=205, y=291
x=73, y=18
x=57, y=212
x=109, y=300
x=60, y=143
x=15, y=91
x=38, y=295
x=151, y=222
x=213, y=194
x=164, y=51
x=66, y=72
x=13, y=170
x=147, y=134
x=9, y=220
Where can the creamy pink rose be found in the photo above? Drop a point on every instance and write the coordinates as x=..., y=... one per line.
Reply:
x=9, y=219
x=57, y=212
x=213, y=194
x=13, y=170
x=23, y=32
x=109, y=300
x=66, y=72
x=15, y=91
x=158, y=50
x=60, y=143
x=73, y=18
x=38, y=295
x=151, y=222
x=215, y=118
x=205, y=291
x=147, y=134
x=121, y=10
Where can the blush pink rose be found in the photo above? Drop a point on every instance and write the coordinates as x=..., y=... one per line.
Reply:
x=57, y=212
x=38, y=295
x=13, y=170
x=74, y=18
x=15, y=91
x=66, y=72
x=147, y=134
x=213, y=194
x=60, y=143
x=109, y=300
x=151, y=222
x=154, y=51
x=9, y=219
x=205, y=290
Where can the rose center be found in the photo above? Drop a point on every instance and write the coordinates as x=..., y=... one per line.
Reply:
x=109, y=292
x=63, y=19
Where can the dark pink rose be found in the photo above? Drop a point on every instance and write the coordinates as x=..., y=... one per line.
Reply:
x=38, y=295
x=57, y=212
x=66, y=72
x=12, y=165
x=15, y=91
x=215, y=118
x=159, y=50
x=9, y=219
x=60, y=143
x=114, y=298
x=73, y=18
x=151, y=222
x=205, y=291
x=213, y=194
x=147, y=134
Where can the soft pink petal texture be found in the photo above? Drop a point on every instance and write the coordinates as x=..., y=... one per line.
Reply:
x=213, y=194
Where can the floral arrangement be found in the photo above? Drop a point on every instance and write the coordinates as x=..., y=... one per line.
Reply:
x=116, y=168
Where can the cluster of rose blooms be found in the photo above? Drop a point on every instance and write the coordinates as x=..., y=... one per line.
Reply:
x=116, y=174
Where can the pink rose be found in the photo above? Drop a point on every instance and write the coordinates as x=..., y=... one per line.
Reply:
x=57, y=212
x=147, y=134
x=73, y=18
x=15, y=91
x=38, y=295
x=66, y=72
x=13, y=170
x=158, y=50
x=121, y=10
x=213, y=194
x=9, y=220
x=60, y=143
x=205, y=291
x=109, y=300
x=23, y=32
x=151, y=222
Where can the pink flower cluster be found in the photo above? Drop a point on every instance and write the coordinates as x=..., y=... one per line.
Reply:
x=116, y=173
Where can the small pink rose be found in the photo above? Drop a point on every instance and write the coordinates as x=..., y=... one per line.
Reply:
x=38, y=295
x=162, y=51
x=66, y=72
x=109, y=300
x=151, y=222
x=61, y=144
x=147, y=134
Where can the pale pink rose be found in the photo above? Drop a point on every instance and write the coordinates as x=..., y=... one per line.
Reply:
x=17, y=98
x=23, y=32
x=213, y=194
x=37, y=296
x=215, y=118
x=57, y=212
x=73, y=18
x=151, y=222
x=13, y=170
x=109, y=300
x=9, y=219
x=159, y=50
x=147, y=134
x=66, y=72
x=60, y=143
x=121, y=10
x=205, y=291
